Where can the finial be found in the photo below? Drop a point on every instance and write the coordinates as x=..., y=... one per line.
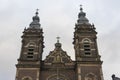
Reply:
x=37, y=12
x=81, y=9
x=58, y=38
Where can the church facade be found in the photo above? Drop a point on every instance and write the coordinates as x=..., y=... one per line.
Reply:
x=58, y=65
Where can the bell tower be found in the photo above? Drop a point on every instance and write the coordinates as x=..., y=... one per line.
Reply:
x=29, y=62
x=88, y=63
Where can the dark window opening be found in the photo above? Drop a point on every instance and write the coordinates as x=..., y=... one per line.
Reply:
x=87, y=53
x=29, y=56
x=86, y=46
x=86, y=49
x=30, y=53
x=30, y=49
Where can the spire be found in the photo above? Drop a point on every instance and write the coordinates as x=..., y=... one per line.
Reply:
x=82, y=17
x=35, y=23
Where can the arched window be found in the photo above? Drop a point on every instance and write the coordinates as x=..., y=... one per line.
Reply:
x=30, y=51
x=86, y=46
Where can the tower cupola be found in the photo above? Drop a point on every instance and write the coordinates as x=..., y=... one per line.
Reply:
x=35, y=23
x=82, y=17
x=36, y=17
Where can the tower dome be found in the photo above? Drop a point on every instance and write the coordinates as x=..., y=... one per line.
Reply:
x=36, y=17
x=82, y=17
x=35, y=23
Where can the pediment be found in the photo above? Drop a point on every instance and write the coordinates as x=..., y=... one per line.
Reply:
x=57, y=56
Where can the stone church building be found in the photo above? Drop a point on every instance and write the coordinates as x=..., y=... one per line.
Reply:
x=58, y=65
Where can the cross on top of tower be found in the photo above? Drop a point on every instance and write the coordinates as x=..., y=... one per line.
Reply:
x=80, y=5
x=37, y=12
x=81, y=9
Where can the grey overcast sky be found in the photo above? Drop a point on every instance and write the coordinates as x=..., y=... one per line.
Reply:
x=58, y=18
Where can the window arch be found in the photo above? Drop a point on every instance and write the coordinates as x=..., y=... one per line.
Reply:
x=86, y=40
x=31, y=44
x=86, y=46
x=56, y=77
x=90, y=76
x=26, y=78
